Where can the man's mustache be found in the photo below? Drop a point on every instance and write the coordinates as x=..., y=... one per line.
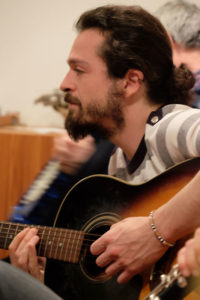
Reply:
x=71, y=99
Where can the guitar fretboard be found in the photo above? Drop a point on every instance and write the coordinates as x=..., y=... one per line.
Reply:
x=57, y=243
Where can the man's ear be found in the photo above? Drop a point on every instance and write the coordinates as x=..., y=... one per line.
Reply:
x=170, y=38
x=176, y=50
x=174, y=45
x=132, y=81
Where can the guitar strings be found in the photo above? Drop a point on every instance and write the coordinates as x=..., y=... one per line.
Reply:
x=69, y=246
x=17, y=227
x=69, y=237
x=55, y=240
x=90, y=236
x=67, y=253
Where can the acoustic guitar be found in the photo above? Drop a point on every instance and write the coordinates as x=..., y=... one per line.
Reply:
x=88, y=210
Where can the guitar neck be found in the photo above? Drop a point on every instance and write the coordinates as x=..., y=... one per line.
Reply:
x=57, y=243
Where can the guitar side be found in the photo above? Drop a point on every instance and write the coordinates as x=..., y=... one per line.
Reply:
x=92, y=206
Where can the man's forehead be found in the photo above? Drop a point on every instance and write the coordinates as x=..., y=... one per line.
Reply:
x=91, y=33
x=86, y=45
x=90, y=39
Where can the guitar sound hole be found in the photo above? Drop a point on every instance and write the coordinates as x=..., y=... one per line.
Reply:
x=88, y=261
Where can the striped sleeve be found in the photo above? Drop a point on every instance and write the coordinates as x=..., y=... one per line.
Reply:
x=174, y=138
x=177, y=136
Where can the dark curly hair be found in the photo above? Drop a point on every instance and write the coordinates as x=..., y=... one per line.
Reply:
x=134, y=39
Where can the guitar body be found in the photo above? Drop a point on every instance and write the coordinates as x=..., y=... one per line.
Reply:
x=92, y=206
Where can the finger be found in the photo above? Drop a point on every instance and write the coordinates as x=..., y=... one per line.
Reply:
x=103, y=260
x=187, y=258
x=197, y=252
x=89, y=139
x=98, y=246
x=62, y=154
x=125, y=276
x=14, y=252
x=70, y=164
x=17, y=240
x=33, y=263
x=70, y=169
x=27, y=239
x=20, y=256
x=191, y=258
x=114, y=268
x=197, y=244
x=42, y=265
x=183, y=267
x=27, y=254
x=42, y=262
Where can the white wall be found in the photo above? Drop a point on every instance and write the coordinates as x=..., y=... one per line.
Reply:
x=35, y=37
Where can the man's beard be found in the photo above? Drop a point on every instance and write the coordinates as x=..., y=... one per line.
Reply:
x=78, y=127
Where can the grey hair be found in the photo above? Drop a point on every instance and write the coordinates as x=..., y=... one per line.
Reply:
x=182, y=20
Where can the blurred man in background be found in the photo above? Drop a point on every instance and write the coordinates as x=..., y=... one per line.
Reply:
x=182, y=21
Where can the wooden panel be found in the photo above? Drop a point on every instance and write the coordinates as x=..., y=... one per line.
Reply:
x=23, y=153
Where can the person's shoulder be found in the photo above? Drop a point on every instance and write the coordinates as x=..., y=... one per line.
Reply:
x=173, y=108
x=174, y=111
x=165, y=114
x=170, y=118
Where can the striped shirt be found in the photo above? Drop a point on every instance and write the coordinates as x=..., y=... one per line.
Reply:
x=172, y=135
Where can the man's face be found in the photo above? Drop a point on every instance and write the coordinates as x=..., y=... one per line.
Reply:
x=95, y=100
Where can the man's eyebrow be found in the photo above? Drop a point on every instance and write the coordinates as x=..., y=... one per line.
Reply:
x=72, y=61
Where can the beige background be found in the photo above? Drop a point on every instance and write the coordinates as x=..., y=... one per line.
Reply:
x=35, y=38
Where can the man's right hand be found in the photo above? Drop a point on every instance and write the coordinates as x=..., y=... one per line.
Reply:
x=189, y=256
x=73, y=154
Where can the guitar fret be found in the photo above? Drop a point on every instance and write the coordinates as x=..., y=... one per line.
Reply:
x=47, y=242
x=58, y=243
x=69, y=233
x=41, y=235
x=52, y=243
x=79, y=244
x=16, y=230
x=5, y=243
x=61, y=245
x=4, y=234
x=1, y=234
x=76, y=254
x=72, y=247
x=56, y=247
x=12, y=234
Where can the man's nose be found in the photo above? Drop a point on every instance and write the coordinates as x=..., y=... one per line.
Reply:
x=67, y=85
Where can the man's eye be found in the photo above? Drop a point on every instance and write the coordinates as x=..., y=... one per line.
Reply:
x=79, y=71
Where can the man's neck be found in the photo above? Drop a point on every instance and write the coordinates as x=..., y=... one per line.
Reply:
x=129, y=138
